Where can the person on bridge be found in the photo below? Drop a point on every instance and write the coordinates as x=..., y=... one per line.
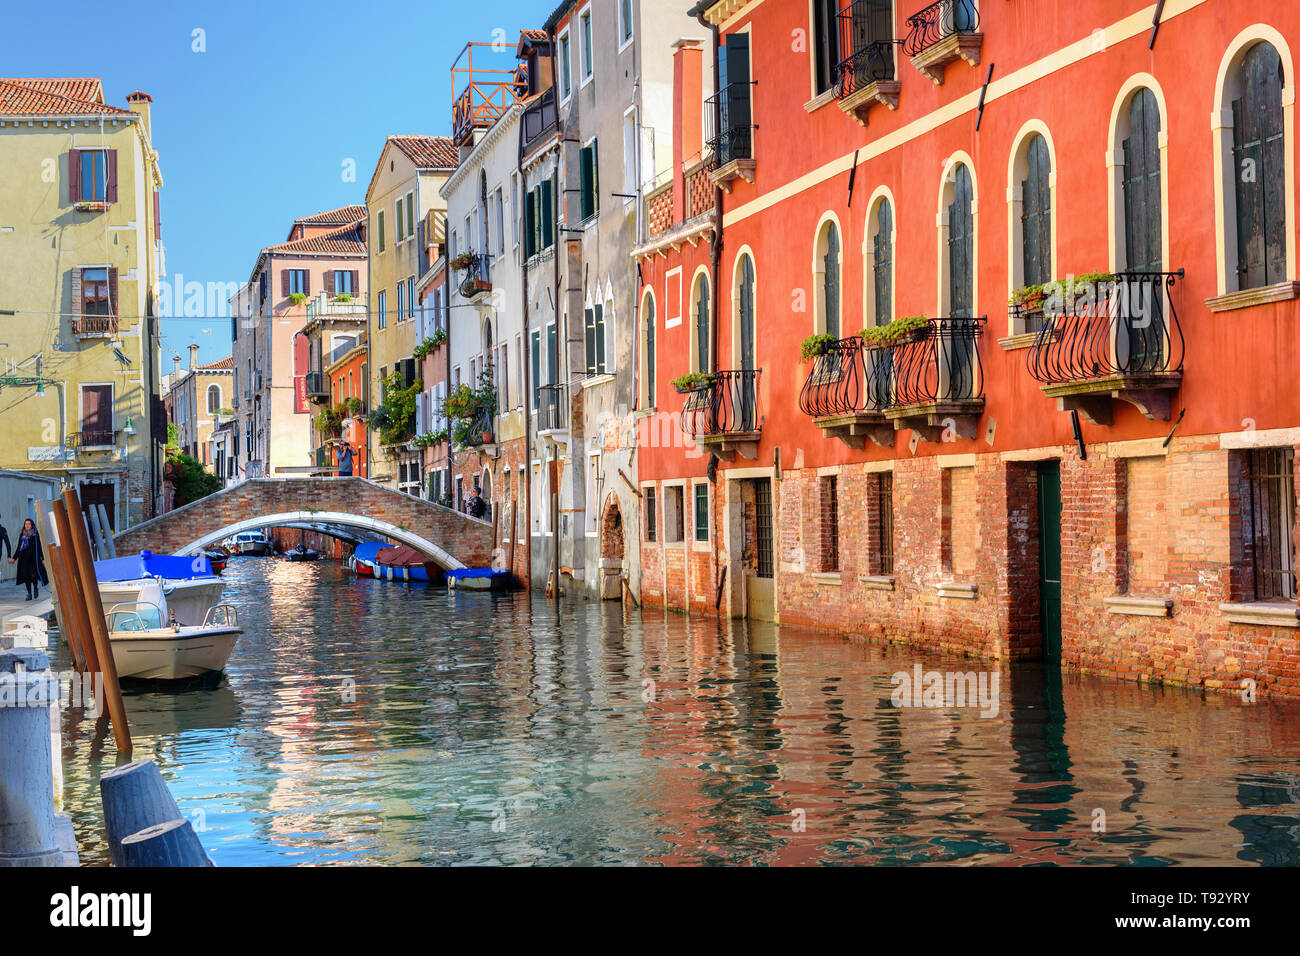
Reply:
x=345, y=460
x=475, y=507
x=30, y=561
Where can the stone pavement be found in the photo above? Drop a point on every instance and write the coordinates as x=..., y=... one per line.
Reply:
x=13, y=603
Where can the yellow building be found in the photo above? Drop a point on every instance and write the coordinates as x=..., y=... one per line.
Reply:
x=403, y=191
x=79, y=243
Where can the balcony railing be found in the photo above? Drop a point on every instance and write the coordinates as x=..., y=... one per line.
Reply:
x=939, y=21
x=475, y=279
x=732, y=139
x=323, y=457
x=539, y=117
x=726, y=407
x=847, y=380
x=98, y=438
x=1102, y=329
x=939, y=365
x=869, y=57
x=94, y=325
x=480, y=96
x=318, y=386
x=552, y=408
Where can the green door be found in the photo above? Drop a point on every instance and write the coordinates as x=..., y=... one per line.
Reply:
x=1049, y=558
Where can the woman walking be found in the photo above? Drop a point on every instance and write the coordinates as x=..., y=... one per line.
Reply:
x=30, y=561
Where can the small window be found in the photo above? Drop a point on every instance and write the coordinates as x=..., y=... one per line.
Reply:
x=1267, y=508
x=410, y=215
x=594, y=326
x=881, y=512
x=297, y=281
x=830, y=524
x=214, y=399
x=566, y=67
x=651, y=517
x=625, y=15
x=401, y=219
x=343, y=282
x=649, y=320
x=701, y=512
x=586, y=46
x=1259, y=165
x=95, y=293
x=379, y=228
x=383, y=309
x=410, y=298
x=401, y=301
x=826, y=44
x=95, y=179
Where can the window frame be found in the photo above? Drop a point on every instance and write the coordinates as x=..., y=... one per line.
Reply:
x=585, y=44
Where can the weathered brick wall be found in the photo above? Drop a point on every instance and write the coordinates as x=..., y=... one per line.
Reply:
x=1146, y=518
x=463, y=537
x=508, y=497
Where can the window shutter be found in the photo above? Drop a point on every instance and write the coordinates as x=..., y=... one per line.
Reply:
x=589, y=321
x=110, y=190
x=77, y=304
x=595, y=176
x=548, y=216
x=530, y=225
x=410, y=215
x=600, y=339
x=284, y=282
x=356, y=282
x=585, y=173
x=329, y=282
x=306, y=281
x=74, y=175
x=112, y=291
x=157, y=216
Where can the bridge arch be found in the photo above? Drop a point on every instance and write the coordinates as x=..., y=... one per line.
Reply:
x=360, y=522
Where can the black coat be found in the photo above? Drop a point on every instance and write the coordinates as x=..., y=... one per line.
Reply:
x=30, y=560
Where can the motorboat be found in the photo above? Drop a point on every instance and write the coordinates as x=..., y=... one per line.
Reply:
x=402, y=563
x=248, y=542
x=149, y=643
x=362, y=559
x=217, y=558
x=302, y=553
x=479, y=579
x=188, y=583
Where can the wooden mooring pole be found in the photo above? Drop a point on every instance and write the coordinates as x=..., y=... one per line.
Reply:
x=74, y=608
x=98, y=626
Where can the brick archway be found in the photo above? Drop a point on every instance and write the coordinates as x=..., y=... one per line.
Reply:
x=612, y=549
x=447, y=537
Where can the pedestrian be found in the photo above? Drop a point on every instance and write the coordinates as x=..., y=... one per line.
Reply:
x=475, y=506
x=6, y=548
x=345, y=461
x=30, y=561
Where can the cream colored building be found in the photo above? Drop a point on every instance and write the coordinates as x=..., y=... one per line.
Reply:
x=79, y=243
x=403, y=191
x=199, y=399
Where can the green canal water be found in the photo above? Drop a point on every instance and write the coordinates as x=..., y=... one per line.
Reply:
x=361, y=722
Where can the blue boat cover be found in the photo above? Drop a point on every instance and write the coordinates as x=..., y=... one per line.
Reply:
x=367, y=550
x=147, y=564
x=477, y=573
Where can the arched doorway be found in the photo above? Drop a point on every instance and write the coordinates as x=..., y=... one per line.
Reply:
x=611, y=551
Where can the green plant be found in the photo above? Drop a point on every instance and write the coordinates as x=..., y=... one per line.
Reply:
x=1093, y=278
x=692, y=381
x=895, y=331
x=190, y=479
x=817, y=344
x=328, y=421
x=429, y=344
x=399, y=409
x=343, y=297
x=226, y=412
x=463, y=261
x=469, y=409
x=173, y=435
x=353, y=405
x=297, y=298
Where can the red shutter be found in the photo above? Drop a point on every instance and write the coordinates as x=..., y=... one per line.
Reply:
x=284, y=282
x=110, y=191
x=306, y=281
x=112, y=291
x=157, y=217
x=74, y=175
x=329, y=283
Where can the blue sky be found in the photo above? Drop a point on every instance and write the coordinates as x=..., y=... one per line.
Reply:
x=255, y=130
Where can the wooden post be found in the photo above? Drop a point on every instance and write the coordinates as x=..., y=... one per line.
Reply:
x=74, y=607
x=109, y=544
x=96, y=535
x=98, y=626
x=60, y=588
x=510, y=551
x=134, y=796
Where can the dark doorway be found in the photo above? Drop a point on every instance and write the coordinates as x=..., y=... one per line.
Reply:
x=100, y=494
x=1049, y=558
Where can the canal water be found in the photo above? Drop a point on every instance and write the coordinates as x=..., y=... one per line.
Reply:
x=365, y=722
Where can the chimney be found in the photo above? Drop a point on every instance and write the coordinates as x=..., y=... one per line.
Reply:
x=138, y=102
x=176, y=366
x=194, y=356
x=688, y=100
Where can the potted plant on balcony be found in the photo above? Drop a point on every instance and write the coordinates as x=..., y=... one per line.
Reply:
x=462, y=261
x=909, y=328
x=297, y=298
x=343, y=297
x=354, y=406
x=329, y=421
x=692, y=382
x=816, y=345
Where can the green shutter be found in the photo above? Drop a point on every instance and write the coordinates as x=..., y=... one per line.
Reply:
x=548, y=216
x=530, y=225
x=585, y=183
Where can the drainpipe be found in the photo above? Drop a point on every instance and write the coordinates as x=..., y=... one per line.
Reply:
x=527, y=364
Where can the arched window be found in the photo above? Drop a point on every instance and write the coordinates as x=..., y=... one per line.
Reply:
x=214, y=399
x=1259, y=169
x=881, y=232
x=960, y=244
x=648, y=344
x=1140, y=182
x=746, y=396
x=826, y=274
x=1036, y=213
x=703, y=326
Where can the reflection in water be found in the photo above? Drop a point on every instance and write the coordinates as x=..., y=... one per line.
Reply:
x=364, y=722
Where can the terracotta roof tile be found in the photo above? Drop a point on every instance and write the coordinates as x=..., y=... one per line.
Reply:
x=344, y=215
x=537, y=36
x=226, y=363
x=346, y=241
x=428, y=152
x=54, y=96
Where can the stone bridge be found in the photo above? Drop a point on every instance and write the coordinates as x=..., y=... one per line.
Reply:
x=447, y=537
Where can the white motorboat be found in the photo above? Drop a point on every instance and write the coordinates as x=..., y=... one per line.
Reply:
x=149, y=644
x=248, y=542
x=188, y=584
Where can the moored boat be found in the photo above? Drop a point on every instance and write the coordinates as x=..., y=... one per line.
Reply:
x=479, y=579
x=402, y=563
x=302, y=553
x=149, y=643
x=188, y=583
x=362, y=559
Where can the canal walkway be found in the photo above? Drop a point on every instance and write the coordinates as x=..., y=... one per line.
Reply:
x=13, y=602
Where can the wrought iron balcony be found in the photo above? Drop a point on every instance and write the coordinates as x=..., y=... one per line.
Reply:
x=86, y=440
x=475, y=281
x=318, y=387
x=1111, y=339
x=552, y=409
x=941, y=33
x=938, y=380
x=723, y=415
x=848, y=391
x=866, y=74
x=94, y=326
x=729, y=135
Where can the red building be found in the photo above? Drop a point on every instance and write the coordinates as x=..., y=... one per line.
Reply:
x=1067, y=431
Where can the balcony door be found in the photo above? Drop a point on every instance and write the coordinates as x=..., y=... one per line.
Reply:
x=1142, y=339
x=734, y=104
x=747, y=400
x=955, y=351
